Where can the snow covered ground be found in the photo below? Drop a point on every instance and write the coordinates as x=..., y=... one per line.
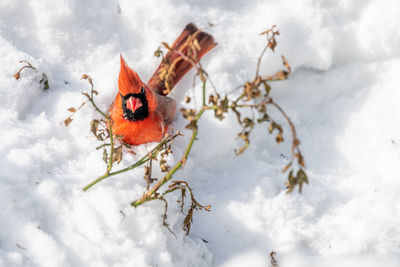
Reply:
x=343, y=97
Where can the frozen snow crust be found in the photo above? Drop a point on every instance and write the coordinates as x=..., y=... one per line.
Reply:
x=343, y=97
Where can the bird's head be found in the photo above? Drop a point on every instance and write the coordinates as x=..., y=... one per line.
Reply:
x=133, y=94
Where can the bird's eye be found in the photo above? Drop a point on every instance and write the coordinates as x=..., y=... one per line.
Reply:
x=142, y=91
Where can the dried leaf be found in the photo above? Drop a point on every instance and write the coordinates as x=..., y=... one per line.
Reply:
x=105, y=155
x=287, y=167
x=265, y=117
x=72, y=110
x=146, y=170
x=286, y=64
x=279, y=138
x=45, y=82
x=222, y=108
x=157, y=53
x=247, y=122
x=267, y=88
x=213, y=100
x=99, y=133
x=189, y=114
x=302, y=176
x=224, y=104
x=301, y=160
x=117, y=155
x=67, y=121
x=187, y=222
x=163, y=165
x=86, y=94
x=245, y=137
x=272, y=44
x=274, y=262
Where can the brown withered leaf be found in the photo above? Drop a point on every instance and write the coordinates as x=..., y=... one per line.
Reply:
x=262, y=108
x=265, y=117
x=301, y=160
x=105, y=155
x=292, y=182
x=72, y=110
x=146, y=170
x=287, y=167
x=16, y=76
x=274, y=262
x=87, y=77
x=279, y=138
x=273, y=125
x=158, y=52
x=296, y=142
x=213, y=100
x=187, y=99
x=189, y=114
x=192, y=125
x=94, y=124
x=286, y=64
x=302, y=176
x=147, y=175
x=187, y=222
x=224, y=104
x=117, y=155
x=86, y=94
x=67, y=121
x=245, y=137
x=163, y=165
x=272, y=44
x=267, y=88
x=247, y=122
x=222, y=108
x=251, y=91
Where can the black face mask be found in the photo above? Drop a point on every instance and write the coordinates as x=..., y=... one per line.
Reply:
x=139, y=114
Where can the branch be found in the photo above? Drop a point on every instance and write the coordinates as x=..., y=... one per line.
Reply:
x=151, y=194
x=138, y=163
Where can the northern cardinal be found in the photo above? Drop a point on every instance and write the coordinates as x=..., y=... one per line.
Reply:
x=141, y=113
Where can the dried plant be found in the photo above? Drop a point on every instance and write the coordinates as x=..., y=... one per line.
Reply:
x=273, y=261
x=44, y=81
x=254, y=97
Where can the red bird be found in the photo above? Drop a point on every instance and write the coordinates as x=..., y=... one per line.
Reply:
x=141, y=113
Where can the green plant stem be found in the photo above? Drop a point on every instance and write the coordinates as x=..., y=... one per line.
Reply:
x=96, y=107
x=204, y=93
x=150, y=194
x=138, y=163
x=109, y=174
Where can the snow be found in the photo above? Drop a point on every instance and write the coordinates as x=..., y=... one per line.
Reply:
x=342, y=96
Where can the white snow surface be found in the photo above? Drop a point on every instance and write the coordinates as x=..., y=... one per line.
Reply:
x=343, y=97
